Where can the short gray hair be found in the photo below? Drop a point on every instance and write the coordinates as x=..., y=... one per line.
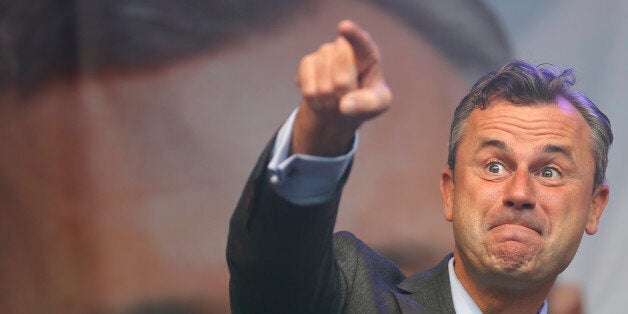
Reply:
x=523, y=83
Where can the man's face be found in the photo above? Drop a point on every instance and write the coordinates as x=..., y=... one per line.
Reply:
x=522, y=194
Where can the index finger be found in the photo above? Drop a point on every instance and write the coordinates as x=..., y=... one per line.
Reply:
x=364, y=48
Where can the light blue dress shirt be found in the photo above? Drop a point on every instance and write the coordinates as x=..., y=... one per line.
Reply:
x=303, y=179
x=463, y=303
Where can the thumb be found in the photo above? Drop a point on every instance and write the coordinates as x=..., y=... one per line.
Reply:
x=366, y=103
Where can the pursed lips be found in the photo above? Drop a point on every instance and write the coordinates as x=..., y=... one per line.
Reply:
x=518, y=221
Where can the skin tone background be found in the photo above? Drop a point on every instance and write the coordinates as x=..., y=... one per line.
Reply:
x=125, y=198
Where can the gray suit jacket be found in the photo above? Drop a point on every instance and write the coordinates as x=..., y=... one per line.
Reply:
x=284, y=258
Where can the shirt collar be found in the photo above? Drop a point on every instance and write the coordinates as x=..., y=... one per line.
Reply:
x=463, y=303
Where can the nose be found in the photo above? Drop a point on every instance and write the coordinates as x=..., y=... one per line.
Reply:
x=519, y=192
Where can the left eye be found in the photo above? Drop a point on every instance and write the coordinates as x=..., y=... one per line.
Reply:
x=549, y=173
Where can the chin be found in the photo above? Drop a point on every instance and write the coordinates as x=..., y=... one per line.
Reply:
x=513, y=259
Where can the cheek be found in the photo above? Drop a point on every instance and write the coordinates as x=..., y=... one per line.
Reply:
x=477, y=193
x=566, y=213
x=473, y=199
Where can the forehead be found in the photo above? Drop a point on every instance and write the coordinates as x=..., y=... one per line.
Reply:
x=558, y=122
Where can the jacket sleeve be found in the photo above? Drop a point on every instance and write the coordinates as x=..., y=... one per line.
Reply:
x=280, y=255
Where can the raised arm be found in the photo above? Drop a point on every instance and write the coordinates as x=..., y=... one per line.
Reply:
x=280, y=254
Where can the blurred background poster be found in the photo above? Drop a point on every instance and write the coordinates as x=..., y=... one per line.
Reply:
x=129, y=129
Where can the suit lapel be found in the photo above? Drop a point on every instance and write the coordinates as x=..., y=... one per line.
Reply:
x=408, y=305
x=428, y=291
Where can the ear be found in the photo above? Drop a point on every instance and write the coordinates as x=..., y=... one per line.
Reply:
x=600, y=199
x=447, y=190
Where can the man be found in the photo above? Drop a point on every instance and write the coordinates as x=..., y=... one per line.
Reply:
x=525, y=179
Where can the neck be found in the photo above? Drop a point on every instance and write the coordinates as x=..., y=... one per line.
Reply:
x=506, y=295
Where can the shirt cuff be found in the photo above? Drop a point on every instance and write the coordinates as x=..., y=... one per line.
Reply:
x=304, y=179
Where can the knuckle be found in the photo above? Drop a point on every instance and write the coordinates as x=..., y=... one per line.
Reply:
x=325, y=89
x=326, y=47
x=386, y=95
x=305, y=77
x=343, y=82
x=306, y=61
x=385, y=100
x=308, y=93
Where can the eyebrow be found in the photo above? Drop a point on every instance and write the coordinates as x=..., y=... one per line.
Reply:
x=494, y=143
x=557, y=149
x=547, y=149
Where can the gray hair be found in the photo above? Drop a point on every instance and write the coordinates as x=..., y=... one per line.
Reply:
x=523, y=83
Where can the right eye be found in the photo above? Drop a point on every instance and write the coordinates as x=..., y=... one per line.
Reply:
x=495, y=168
